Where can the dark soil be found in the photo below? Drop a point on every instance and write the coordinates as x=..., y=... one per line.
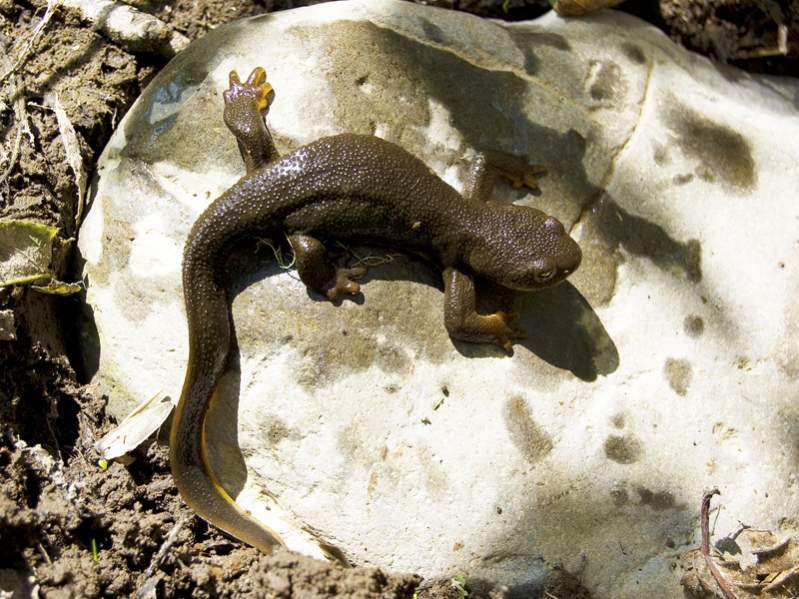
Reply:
x=745, y=33
x=69, y=528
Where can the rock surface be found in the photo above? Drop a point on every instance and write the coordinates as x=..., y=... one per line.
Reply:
x=668, y=364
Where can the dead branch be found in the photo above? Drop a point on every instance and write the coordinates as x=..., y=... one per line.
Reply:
x=777, y=549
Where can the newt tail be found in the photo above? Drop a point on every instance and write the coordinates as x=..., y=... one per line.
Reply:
x=209, y=345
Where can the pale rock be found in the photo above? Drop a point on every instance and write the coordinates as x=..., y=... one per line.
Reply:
x=667, y=365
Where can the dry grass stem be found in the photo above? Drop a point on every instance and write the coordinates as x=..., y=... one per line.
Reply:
x=72, y=149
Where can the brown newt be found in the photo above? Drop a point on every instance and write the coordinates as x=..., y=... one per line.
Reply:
x=349, y=187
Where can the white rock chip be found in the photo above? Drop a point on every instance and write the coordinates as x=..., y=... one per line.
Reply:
x=668, y=364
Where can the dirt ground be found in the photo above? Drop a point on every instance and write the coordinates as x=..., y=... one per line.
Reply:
x=69, y=528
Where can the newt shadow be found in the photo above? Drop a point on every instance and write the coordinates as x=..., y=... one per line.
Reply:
x=559, y=325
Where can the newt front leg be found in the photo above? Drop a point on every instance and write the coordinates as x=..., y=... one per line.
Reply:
x=463, y=321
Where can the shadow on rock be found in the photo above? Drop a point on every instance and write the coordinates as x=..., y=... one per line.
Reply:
x=562, y=329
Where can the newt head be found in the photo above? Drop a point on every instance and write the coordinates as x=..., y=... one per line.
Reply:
x=523, y=248
x=256, y=89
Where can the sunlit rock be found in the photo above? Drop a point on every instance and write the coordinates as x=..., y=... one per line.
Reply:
x=669, y=363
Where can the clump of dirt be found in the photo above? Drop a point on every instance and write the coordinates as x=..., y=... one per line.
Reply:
x=286, y=575
x=560, y=583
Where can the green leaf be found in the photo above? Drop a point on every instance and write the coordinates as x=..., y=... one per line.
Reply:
x=55, y=287
x=459, y=584
x=26, y=252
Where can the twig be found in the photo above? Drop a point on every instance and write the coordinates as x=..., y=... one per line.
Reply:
x=704, y=522
x=14, y=155
x=166, y=545
x=578, y=8
x=715, y=520
x=148, y=589
x=48, y=14
x=781, y=49
x=44, y=554
x=773, y=550
x=785, y=578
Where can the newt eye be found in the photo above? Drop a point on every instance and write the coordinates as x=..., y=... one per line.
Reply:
x=544, y=276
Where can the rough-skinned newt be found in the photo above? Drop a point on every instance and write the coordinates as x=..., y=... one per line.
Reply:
x=350, y=187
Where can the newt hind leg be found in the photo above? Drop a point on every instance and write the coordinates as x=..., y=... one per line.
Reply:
x=246, y=105
x=489, y=165
x=318, y=271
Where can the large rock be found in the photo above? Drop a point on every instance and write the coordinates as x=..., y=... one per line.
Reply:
x=668, y=364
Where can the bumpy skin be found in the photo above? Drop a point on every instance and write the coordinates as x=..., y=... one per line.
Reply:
x=348, y=187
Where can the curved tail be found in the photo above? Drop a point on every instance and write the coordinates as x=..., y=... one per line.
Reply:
x=209, y=343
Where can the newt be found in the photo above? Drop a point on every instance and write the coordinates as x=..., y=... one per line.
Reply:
x=359, y=188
